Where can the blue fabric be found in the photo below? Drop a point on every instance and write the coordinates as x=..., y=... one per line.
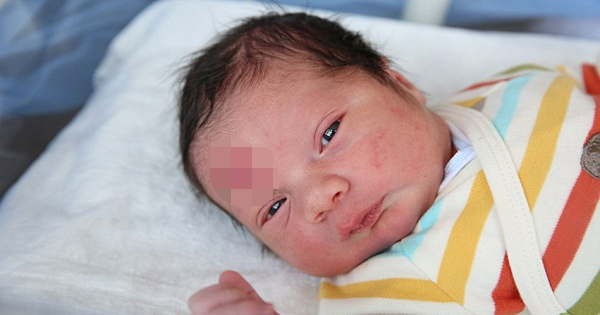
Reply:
x=383, y=8
x=464, y=12
x=510, y=100
x=49, y=50
x=467, y=12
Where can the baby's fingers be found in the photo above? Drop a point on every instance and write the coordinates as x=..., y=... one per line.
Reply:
x=211, y=298
x=245, y=307
x=235, y=280
x=219, y=299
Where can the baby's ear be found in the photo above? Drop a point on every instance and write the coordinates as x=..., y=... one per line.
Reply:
x=407, y=85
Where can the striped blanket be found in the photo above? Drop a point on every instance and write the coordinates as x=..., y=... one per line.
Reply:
x=477, y=250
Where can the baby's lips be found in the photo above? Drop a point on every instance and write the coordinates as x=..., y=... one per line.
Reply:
x=360, y=221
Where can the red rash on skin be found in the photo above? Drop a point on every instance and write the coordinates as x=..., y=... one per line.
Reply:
x=389, y=154
x=377, y=150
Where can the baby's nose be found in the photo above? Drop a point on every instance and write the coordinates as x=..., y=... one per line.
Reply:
x=324, y=196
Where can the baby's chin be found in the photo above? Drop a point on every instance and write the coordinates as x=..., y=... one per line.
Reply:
x=330, y=266
x=326, y=271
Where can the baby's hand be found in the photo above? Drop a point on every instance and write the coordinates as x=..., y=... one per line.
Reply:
x=232, y=295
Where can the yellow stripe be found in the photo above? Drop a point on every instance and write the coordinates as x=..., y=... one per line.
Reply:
x=462, y=244
x=464, y=237
x=543, y=139
x=455, y=267
x=470, y=102
x=562, y=69
x=395, y=288
x=565, y=71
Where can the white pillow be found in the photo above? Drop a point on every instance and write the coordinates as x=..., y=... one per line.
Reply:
x=105, y=222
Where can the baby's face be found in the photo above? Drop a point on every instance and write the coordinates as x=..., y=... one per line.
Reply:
x=353, y=167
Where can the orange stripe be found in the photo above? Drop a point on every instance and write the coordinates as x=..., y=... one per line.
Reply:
x=591, y=79
x=571, y=228
x=534, y=168
x=506, y=296
x=486, y=83
x=574, y=220
x=509, y=71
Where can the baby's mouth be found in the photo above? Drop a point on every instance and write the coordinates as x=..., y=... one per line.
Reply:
x=367, y=221
x=361, y=221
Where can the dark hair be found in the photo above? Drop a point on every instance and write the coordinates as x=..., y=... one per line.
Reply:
x=242, y=56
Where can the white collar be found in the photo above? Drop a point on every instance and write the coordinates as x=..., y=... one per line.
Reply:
x=464, y=154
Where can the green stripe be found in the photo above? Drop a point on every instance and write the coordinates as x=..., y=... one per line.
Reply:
x=525, y=67
x=589, y=303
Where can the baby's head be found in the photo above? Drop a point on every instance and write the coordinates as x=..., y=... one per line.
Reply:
x=300, y=131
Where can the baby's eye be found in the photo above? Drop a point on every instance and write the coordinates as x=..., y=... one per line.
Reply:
x=275, y=207
x=329, y=133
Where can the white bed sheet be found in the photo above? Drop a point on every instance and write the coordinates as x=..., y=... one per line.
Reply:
x=105, y=222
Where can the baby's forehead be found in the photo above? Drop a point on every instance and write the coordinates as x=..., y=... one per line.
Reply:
x=235, y=153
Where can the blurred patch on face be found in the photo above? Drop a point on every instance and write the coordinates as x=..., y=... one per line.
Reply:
x=242, y=175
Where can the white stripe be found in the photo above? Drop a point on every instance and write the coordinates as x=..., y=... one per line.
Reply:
x=512, y=208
